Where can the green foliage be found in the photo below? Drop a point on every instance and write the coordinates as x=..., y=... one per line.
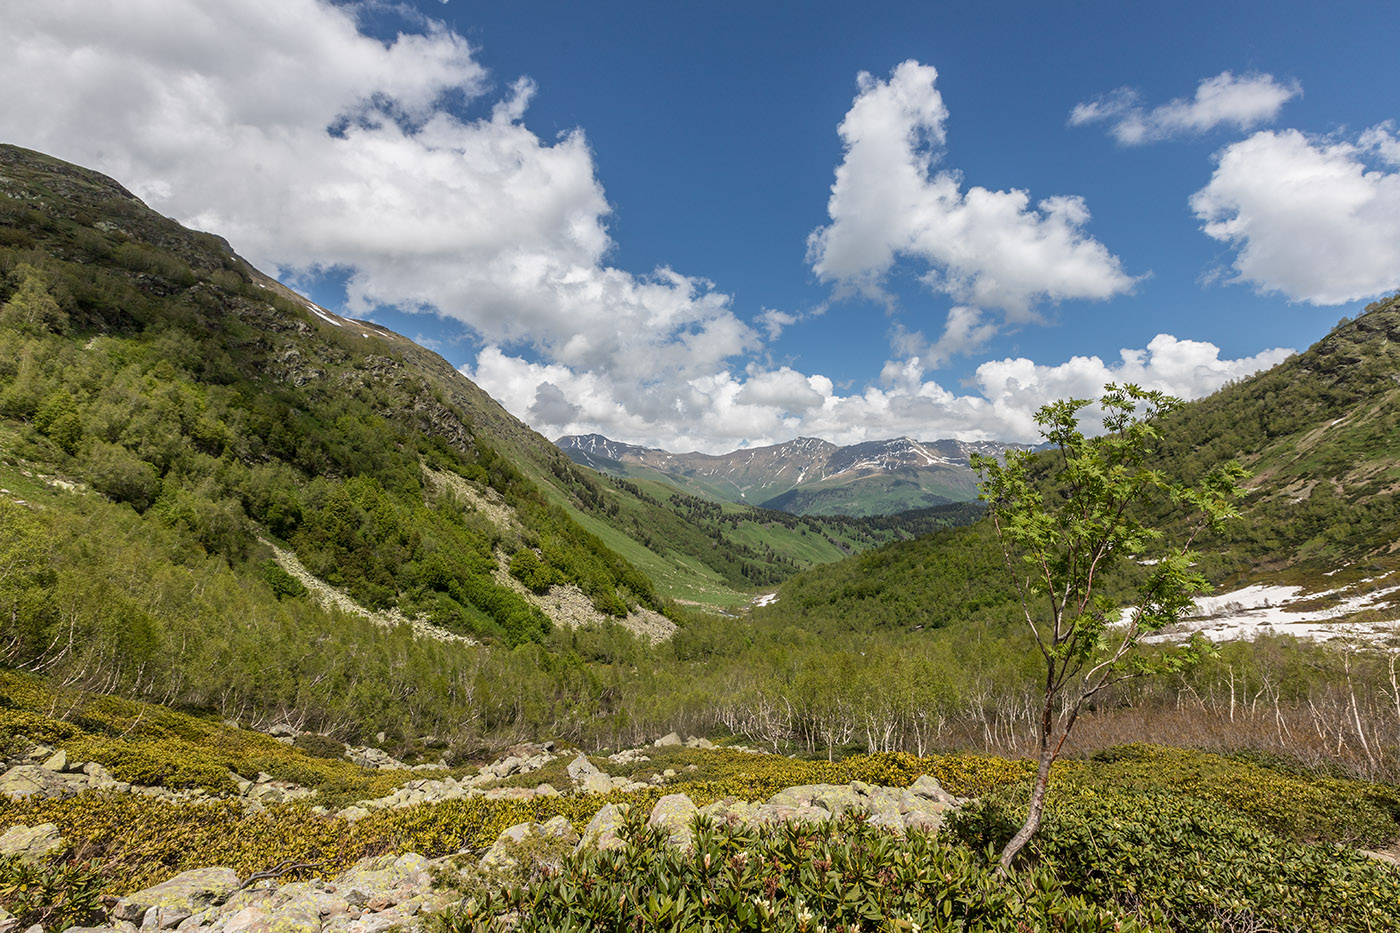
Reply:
x=1060, y=544
x=1205, y=869
x=320, y=746
x=54, y=894
x=282, y=583
x=841, y=875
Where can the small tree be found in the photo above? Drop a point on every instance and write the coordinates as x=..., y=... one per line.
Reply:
x=1060, y=537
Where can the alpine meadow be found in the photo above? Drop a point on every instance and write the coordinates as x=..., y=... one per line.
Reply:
x=304, y=631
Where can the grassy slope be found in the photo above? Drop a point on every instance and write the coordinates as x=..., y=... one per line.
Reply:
x=1321, y=431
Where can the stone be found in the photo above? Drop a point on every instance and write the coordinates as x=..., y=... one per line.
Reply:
x=31, y=844
x=675, y=814
x=281, y=730
x=24, y=781
x=601, y=833
x=559, y=827
x=928, y=787
x=597, y=783
x=192, y=890
x=351, y=814
x=163, y=918
x=58, y=761
x=581, y=767
x=669, y=738
x=499, y=857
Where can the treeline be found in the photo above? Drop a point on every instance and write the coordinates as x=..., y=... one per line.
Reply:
x=95, y=596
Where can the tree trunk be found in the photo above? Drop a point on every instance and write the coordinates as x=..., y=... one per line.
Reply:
x=1028, y=829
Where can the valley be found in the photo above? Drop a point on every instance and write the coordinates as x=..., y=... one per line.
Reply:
x=229, y=516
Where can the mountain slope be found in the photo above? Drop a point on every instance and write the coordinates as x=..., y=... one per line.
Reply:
x=805, y=476
x=154, y=365
x=1320, y=431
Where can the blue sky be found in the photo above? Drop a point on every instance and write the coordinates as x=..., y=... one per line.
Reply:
x=703, y=226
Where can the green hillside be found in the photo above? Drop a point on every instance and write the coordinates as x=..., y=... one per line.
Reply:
x=1320, y=432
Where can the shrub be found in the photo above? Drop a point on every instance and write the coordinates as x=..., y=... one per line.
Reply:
x=56, y=895
x=320, y=746
x=841, y=875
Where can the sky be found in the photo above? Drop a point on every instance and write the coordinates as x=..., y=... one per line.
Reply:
x=706, y=226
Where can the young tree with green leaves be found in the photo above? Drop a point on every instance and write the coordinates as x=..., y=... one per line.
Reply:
x=1062, y=534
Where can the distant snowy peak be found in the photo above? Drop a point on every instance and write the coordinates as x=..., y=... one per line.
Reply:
x=596, y=446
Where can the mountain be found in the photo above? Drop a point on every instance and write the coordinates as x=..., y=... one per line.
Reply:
x=1321, y=434
x=804, y=476
x=153, y=366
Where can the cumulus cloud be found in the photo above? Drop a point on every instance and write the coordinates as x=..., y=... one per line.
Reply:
x=1316, y=220
x=724, y=411
x=311, y=145
x=989, y=249
x=1225, y=100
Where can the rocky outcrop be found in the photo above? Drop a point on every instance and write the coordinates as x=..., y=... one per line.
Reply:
x=384, y=892
x=31, y=843
x=377, y=894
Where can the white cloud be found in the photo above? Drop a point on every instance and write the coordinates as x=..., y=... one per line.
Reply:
x=722, y=411
x=985, y=248
x=310, y=145
x=1312, y=219
x=1224, y=100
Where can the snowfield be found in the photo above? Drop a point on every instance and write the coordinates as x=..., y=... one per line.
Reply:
x=1245, y=613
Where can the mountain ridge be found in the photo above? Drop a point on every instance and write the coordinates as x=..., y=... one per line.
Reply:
x=806, y=475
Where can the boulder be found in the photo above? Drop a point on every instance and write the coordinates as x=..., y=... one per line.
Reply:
x=601, y=831
x=581, y=767
x=31, y=843
x=675, y=815
x=192, y=890
x=930, y=789
x=669, y=738
x=58, y=761
x=597, y=783
x=24, y=781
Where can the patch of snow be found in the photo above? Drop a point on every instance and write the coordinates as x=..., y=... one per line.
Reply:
x=1246, y=612
x=767, y=599
x=322, y=314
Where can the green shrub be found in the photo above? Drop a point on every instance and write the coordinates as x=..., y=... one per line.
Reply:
x=1206, y=868
x=56, y=895
x=841, y=875
x=320, y=746
x=281, y=582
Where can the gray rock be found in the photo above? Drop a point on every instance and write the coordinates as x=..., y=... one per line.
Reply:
x=24, y=781
x=669, y=738
x=675, y=814
x=31, y=844
x=559, y=827
x=58, y=761
x=929, y=788
x=192, y=890
x=601, y=833
x=581, y=767
x=163, y=918
x=597, y=783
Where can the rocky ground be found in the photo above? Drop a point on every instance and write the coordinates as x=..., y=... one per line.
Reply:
x=397, y=891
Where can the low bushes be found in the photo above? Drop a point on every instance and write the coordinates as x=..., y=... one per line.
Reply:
x=840, y=876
